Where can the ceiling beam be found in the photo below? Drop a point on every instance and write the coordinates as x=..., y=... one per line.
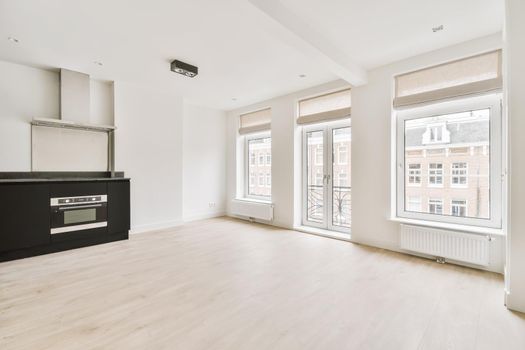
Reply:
x=305, y=38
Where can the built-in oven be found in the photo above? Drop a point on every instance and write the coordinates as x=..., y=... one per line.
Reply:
x=72, y=214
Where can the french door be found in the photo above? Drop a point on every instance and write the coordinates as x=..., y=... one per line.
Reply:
x=327, y=176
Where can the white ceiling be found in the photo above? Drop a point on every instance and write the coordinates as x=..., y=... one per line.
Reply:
x=241, y=51
x=376, y=32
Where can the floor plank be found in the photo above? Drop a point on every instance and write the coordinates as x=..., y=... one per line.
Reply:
x=228, y=284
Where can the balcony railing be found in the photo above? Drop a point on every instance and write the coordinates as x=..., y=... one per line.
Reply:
x=342, y=205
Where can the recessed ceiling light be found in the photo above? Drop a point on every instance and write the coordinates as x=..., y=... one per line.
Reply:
x=98, y=63
x=13, y=39
x=438, y=28
x=234, y=99
x=302, y=75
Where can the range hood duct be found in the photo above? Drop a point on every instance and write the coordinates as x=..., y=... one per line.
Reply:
x=75, y=104
x=74, y=96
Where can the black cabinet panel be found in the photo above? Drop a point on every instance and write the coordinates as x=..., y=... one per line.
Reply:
x=24, y=216
x=118, y=207
x=78, y=189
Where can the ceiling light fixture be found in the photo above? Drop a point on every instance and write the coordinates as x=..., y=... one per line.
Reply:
x=98, y=63
x=438, y=28
x=302, y=75
x=13, y=39
x=184, y=68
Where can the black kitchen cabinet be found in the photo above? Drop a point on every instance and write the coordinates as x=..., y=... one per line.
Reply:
x=24, y=216
x=118, y=207
x=77, y=189
x=27, y=216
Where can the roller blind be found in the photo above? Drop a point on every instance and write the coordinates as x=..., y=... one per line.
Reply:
x=332, y=106
x=472, y=75
x=255, y=121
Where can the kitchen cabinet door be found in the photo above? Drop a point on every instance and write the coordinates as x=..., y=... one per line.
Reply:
x=24, y=216
x=118, y=207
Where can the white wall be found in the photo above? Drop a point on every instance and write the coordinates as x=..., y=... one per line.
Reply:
x=204, y=162
x=25, y=93
x=286, y=156
x=372, y=139
x=372, y=156
x=149, y=142
x=101, y=103
x=148, y=147
x=371, y=150
x=515, y=54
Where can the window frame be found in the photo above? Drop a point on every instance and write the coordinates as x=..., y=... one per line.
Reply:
x=493, y=103
x=247, y=139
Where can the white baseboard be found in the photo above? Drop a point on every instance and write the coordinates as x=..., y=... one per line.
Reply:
x=155, y=227
x=203, y=215
x=513, y=304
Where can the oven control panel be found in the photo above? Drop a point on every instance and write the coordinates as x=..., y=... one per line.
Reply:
x=79, y=200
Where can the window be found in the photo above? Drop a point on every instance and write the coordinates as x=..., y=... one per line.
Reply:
x=435, y=174
x=414, y=174
x=459, y=175
x=414, y=204
x=435, y=206
x=319, y=155
x=343, y=182
x=258, y=146
x=319, y=178
x=436, y=134
x=343, y=155
x=451, y=113
x=458, y=169
x=458, y=208
x=268, y=158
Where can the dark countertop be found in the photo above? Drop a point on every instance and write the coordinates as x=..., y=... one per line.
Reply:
x=28, y=177
x=65, y=179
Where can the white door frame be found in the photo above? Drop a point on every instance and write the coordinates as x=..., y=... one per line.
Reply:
x=328, y=154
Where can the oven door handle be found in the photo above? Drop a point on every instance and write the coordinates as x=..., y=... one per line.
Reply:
x=80, y=206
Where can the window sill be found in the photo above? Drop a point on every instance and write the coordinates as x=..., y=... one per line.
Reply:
x=254, y=200
x=455, y=227
x=323, y=233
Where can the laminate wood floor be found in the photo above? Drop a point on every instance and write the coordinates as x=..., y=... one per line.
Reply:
x=228, y=284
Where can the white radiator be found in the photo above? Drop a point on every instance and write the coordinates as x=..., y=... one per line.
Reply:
x=470, y=248
x=252, y=209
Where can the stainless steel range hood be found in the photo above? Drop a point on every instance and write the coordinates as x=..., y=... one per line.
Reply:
x=75, y=101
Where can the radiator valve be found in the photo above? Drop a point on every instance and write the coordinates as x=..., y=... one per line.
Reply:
x=440, y=260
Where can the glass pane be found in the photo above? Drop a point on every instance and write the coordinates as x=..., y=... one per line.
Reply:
x=447, y=163
x=315, y=176
x=79, y=215
x=260, y=167
x=342, y=208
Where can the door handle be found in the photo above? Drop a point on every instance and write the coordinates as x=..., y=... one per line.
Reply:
x=80, y=206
